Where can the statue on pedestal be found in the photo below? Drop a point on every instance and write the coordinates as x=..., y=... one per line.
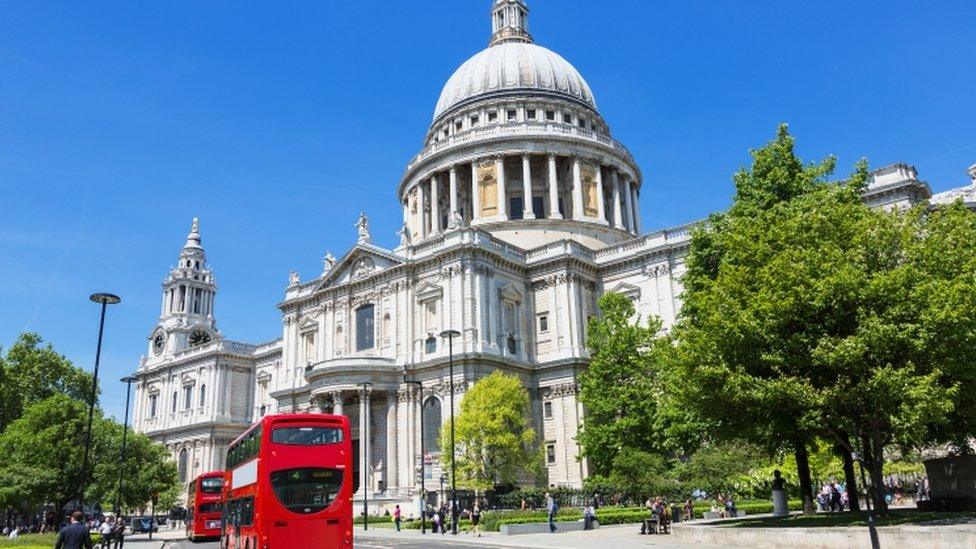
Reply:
x=780, y=506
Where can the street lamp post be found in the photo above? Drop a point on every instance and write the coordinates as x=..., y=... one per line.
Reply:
x=423, y=491
x=125, y=431
x=363, y=444
x=450, y=335
x=105, y=299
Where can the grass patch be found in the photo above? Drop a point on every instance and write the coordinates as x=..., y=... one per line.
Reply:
x=36, y=541
x=822, y=520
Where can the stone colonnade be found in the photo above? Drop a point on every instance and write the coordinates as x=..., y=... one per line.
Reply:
x=398, y=441
x=586, y=181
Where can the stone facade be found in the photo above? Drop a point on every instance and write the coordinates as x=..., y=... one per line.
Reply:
x=518, y=213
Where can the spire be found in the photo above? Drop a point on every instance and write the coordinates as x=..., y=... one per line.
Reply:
x=193, y=239
x=509, y=22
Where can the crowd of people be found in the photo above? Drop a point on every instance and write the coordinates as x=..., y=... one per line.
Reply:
x=110, y=530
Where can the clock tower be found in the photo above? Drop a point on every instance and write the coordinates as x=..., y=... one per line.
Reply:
x=186, y=319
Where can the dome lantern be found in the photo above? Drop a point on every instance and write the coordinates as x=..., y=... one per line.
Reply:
x=509, y=22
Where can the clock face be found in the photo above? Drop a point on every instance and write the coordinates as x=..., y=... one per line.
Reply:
x=198, y=337
x=158, y=342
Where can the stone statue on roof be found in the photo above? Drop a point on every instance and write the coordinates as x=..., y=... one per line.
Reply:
x=363, y=227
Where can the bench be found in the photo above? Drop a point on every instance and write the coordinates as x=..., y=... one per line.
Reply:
x=709, y=515
x=656, y=525
x=543, y=527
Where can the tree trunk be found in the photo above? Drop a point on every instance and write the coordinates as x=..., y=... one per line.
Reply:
x=874, y=461
x=803, y=471
x=850, y=480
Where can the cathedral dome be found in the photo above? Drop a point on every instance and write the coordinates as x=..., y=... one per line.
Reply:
x=513, y=66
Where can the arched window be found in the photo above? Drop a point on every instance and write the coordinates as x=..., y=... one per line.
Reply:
x=184, y=458
x=365, y=327
x=203, y=395
x=175, y=396
x=432, y=424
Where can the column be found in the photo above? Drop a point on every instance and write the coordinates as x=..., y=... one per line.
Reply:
x=601, y=211
x=424, y=193
x=364, y=440
x=391, y=440
x=337, y=403
x=475, y=195
x=435, y=209
x=453, y=189
x=577, y=190
x=500, y=185
x=615, y=184
x=628, y=206
x=527, y=212
x=553, y=189
x=637, y=223
x=490, y=330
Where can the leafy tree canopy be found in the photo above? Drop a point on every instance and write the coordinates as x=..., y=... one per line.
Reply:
x=495, y=442
x=31, y=372
x=620, y=387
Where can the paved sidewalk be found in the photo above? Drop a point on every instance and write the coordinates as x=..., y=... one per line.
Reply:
x=624, y=536
x=158, y=541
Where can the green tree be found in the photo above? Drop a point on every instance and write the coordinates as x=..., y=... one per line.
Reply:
x=148, y=470
x=620, y=388
x=43, y=452
x=816, y=315
x=738, y=358
x=495, y=443
x=31, y=372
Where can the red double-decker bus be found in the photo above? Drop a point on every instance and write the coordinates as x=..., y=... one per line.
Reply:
x=288, y=484
x=204, y=505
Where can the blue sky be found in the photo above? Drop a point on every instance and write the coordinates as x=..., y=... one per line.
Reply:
x=276, y=122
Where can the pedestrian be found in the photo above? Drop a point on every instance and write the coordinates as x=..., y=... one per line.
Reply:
x=436, y=517
x=118, y=534
x=74, y=535
x=106, y=530
x=476, y=519
x=589, y=515
x=551, y=507
x=396, y=517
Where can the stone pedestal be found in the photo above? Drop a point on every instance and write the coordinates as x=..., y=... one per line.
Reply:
x=780, y=507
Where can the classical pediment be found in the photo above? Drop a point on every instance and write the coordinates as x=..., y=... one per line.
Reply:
x=629, y=290
x=362, y=261
x=426, y=290
x=509, y=292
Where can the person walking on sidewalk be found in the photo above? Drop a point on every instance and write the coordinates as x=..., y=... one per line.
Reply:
x=396, y=517
x=476, y=520
x=551, y=507
x=74, y=535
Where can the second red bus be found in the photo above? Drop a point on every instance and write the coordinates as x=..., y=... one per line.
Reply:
x=204, y=503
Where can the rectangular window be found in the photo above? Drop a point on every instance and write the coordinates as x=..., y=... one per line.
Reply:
x=530, y=113
x=458, y=125
x=492, y=116
x=547, y=410
x=365, y=327
x=538, y=207
x=582, y=122
x=543, y=323
x=187, y=397
x=567, y=118
x=515, y=207
x=512, y=114
x=474, y=121
x=152, y=405
x=550, y=454
x=309, y=339
x=306, y=436
x=550, y=115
